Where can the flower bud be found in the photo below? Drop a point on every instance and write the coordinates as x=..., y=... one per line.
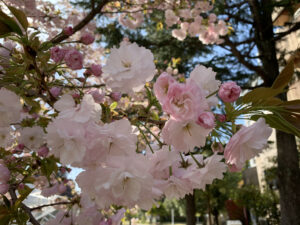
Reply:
x=55, y=91
x=116, y=96
x=87, y=38
x=43, y=151
x=229, y=91
x=96, y=70
x=68, y=30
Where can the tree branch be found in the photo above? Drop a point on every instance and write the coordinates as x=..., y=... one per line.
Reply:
x=23, y=206
x=60, y=37
x=283, y=34
x=52, y=204
x=241, y=58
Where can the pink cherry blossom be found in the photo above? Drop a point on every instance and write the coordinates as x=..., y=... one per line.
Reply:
x=247, y=143
x=97, y=94
x=57, y=54
x=229, y=91
x=171, y=18
x=161, y=86
x=87, y=38
x=10, y=110
x=184, y=136
x=55, y=189
x=205, y=78
x=128, y=68
x=96, y=70
x=4, y=174
x=74, y=59
x=4, y=188
x=206, y=120
x=185, y=101
x=123, y=181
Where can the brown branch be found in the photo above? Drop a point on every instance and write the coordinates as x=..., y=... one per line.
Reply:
x=61, y=37
x=23, y=206
x=52, y=204
x=283, y=34
x=78, y=87
x=241, y=57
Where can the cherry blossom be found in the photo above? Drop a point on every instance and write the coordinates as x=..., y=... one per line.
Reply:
x=184, y=136
x=247, y=143
x=125, y=72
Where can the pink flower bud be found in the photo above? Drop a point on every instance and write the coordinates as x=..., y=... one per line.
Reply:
x=221, y=117
x=116, y=96
x=206, y=120
x=87, y=73
x=229, y=91
x=87, y=38
x=4, y=174
x=4, y=188
x=68, y=30
x=21, y=186
x=96, y=70
x=43, y=151
x=74, y=59
x=57, y=54
x=76, y=95
x=55, y=91
x=21, y=146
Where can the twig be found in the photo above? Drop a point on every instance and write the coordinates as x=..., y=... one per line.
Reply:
x=61, y=37
x=23, y=206
x=52, y=204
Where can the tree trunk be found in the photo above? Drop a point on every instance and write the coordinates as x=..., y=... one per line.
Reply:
x=190, y=209
x=216, y=216
x=288, y=178
x=288, y=159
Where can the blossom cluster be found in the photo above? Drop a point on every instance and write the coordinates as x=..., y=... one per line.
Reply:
x=192, y=23
x=114, y=172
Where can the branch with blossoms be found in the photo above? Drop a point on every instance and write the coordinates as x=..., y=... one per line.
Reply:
x=136, y=133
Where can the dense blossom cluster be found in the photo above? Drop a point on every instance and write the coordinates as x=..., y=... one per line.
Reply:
x=130, y=153
x=114, y=173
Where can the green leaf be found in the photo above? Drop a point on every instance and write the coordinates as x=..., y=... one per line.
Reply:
x=48, y=166
x=11, y=23
x=278, y=122
x=6, y=201
x=23, y=194
x=258, y=95
x=20, y=15
x=4, y=29
x=285, y=76
x=113, y=105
